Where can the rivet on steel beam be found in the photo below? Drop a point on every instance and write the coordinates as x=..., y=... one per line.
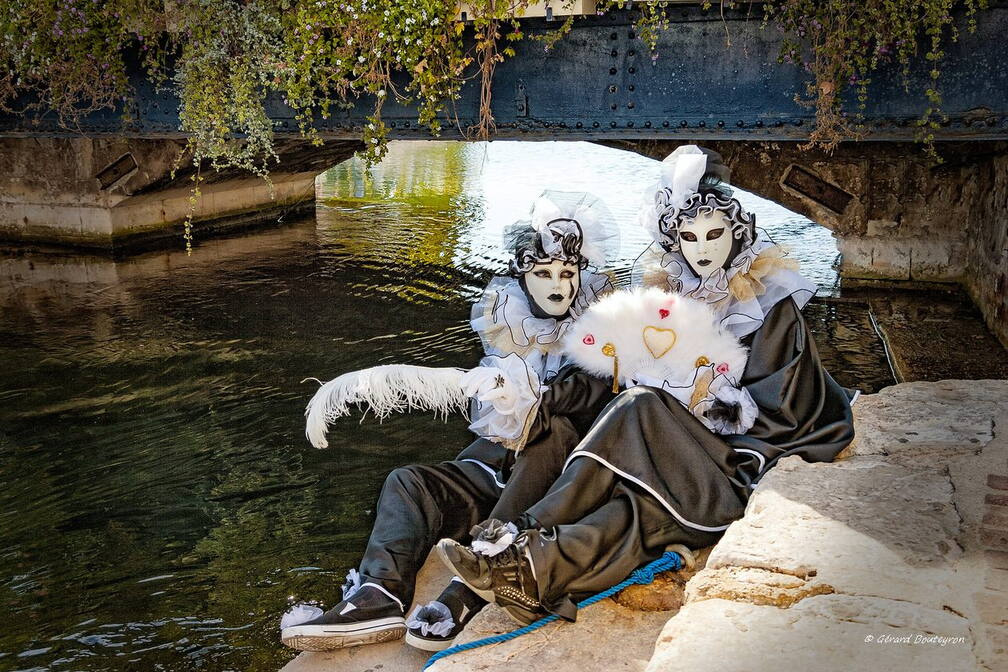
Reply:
x=579, y=124
x=614, y=53
x=778, y=123
x=647, y=124
x=720, y=124
x=632, y=70
x=594, y=124
x=740, y=123
x=612, y=124
x=612, y=88
x=613, y=106
x=406, y=124
x=683, y=123
x=613, y=36
x=545, y=124
x=629, y=124
x=703, y=124
x=613, y=71
x=562, y=124
x=391, y=124
x=665, y=124
x=759, y=123
x=631, y=87
x=631, y=53
x=632, y=35
x=630, y=105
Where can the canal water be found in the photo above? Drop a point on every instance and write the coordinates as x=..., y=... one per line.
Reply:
x=159, y=504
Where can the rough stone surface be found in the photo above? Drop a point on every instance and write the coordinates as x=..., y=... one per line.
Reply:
x=882, y=560
x=606, y=636
x=913, y=418
x=666, y=592
x=58, y=190
x=823, y=634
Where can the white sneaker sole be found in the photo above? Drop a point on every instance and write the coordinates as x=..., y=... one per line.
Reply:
x=333, y=637
x=428, y=644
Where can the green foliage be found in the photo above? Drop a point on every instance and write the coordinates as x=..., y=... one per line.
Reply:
x=844, y=42
x=223, y=57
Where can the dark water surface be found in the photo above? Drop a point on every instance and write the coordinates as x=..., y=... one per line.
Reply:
x=159, y=503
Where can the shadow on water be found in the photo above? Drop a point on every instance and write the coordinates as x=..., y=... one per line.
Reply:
x=159, y=502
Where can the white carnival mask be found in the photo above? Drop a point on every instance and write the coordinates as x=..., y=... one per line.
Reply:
x=706, y=242
x=552, y=286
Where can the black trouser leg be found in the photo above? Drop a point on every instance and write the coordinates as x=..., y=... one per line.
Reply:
x=535, y=469
x=585, y=486
x=418, y=505
x=572, y=561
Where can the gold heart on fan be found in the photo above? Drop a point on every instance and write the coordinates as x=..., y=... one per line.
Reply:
x=658, y=341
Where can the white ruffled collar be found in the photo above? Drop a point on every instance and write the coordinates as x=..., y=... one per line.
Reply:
x=740, y=316
x=505, y=323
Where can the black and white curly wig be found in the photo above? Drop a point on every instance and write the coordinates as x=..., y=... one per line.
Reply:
x=706, y=201
x=527, y=244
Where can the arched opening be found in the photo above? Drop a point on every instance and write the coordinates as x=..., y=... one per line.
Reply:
x=436, y=211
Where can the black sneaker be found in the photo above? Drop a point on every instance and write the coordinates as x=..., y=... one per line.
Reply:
x=368, y=615
x=434, y=626
x=506, y=578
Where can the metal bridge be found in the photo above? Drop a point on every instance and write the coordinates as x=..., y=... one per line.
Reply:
x=716, y=77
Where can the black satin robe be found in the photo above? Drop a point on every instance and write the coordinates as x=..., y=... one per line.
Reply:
x=702, y=478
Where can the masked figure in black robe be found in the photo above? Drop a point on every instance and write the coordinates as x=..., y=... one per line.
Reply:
x=520, y=320
x=643, y=472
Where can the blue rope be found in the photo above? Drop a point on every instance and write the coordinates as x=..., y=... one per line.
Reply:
x=668, y=562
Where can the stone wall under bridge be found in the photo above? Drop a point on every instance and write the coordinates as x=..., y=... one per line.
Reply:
x=120, y=195
x=896, y=214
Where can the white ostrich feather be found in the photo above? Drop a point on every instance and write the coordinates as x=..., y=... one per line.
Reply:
x=621, y=318
x=395, y=388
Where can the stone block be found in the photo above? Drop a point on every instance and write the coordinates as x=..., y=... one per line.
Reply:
x=826, y=633
x=861, y=526
x=948, y=417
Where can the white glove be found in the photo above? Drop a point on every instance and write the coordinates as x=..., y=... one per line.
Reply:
x=489, y=385
x=508, y=392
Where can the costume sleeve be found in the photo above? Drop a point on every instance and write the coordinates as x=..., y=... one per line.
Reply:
x=574, y=394
x=507, y=392
x=802, y=410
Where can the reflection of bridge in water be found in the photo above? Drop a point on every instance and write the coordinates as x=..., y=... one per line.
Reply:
x=895, y=215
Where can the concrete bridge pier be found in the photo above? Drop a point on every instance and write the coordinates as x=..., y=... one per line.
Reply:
x=118, y=194
x=896, y=215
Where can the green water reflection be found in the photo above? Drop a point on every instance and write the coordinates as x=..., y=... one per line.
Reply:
x=159, y=503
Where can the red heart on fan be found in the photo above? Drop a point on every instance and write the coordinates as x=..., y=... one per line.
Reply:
x=663, y=313
x=588, y=340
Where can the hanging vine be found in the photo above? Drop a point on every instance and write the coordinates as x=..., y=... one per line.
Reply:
x=224, y=58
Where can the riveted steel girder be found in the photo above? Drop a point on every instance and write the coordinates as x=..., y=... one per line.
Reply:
x=712, y=77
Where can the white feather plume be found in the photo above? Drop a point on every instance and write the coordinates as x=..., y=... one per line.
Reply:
x=395, y=388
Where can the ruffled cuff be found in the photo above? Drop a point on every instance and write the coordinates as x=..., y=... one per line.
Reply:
x=433, y=619
x=727, y=409
x=507, y=393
